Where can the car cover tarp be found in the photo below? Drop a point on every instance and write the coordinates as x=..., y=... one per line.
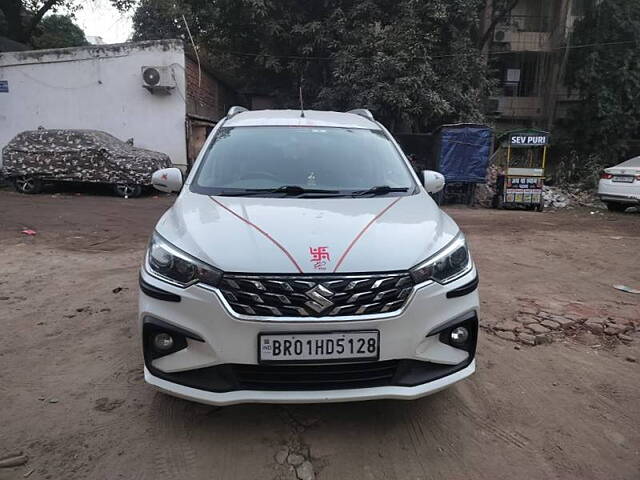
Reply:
x=83, y=155
x=464, y=152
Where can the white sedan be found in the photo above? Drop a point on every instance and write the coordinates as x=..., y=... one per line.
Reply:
x=619, y=186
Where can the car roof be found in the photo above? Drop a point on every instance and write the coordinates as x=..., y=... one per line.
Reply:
x=52, y=140
x=64, y=131
x=69, y=136
x=293, y=118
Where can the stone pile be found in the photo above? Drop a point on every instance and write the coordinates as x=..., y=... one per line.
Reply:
x=485, y=192
x=570, y=196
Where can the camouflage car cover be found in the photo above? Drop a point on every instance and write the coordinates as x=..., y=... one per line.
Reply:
x=80, y=155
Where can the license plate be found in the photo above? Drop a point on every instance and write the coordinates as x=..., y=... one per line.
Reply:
x=319, y=347
x=622, y=178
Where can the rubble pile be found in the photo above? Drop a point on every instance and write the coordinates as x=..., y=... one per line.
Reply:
x=485, y=192
x=570, y=196
x=554, y=197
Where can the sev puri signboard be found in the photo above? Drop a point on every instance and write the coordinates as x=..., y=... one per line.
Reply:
x=528, y=139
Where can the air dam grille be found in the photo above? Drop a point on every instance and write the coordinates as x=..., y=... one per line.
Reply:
x=315, y=377
x=316, y=295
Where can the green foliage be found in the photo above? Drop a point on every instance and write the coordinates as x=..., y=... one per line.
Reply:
x=607, y=76
x=58, y=31
x=418, y=67
x=158, y=19
x=21, y=18
x=415, y=64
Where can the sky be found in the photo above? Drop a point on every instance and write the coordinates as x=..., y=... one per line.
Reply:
x=100, y=18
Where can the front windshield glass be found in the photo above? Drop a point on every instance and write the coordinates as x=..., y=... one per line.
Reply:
x=321, y=160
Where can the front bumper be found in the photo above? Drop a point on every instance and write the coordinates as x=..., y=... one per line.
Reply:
x=221, y=346
x=315, y=396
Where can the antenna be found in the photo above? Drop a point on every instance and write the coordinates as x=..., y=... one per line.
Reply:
x=195, y=49
x=301, y=103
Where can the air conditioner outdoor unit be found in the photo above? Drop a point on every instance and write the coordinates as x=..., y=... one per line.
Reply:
x=500, y=35
x=157, y=78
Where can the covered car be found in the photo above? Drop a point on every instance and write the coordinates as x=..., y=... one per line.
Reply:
x=35, y=157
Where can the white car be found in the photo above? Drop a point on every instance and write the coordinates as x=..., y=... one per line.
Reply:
x=303, y=261
x=619, y=186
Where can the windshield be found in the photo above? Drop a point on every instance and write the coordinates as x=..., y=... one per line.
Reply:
x=320, y=160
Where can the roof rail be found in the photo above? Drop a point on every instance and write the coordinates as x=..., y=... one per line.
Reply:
x=363, y=112
x=233, y=111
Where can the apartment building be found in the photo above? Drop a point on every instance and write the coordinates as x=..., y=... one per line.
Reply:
x=529, y=51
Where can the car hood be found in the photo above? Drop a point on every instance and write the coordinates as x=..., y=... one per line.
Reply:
x=307, y=235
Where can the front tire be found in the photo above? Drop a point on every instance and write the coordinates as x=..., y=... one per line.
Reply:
x=127, y=191
x=616, y=207
x=27, y=184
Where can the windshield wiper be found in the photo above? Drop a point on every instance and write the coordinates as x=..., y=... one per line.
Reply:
x=293, y=190
x=380, y=190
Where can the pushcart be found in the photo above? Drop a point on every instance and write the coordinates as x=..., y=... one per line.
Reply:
x=521, y=183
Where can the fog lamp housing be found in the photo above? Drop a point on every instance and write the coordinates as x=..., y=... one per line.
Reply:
x=459, y=335
x=161, y=338
x=460, y=332
x=162, y=342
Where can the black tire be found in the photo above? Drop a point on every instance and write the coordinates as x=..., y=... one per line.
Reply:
x=28, y=185
x=127, y=191
x=616, y=207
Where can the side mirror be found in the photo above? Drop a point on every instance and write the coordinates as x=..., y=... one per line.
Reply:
x=433, y=181
x=167, y=179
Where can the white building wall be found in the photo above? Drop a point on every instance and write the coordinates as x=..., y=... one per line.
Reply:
x=96, y=87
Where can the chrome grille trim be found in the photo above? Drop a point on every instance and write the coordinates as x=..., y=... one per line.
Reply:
x=332, y=295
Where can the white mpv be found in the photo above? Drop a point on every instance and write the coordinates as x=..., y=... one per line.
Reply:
x=304, y=261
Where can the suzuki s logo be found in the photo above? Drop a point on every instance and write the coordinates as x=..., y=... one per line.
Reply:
x=319, y=301
x=319, y=257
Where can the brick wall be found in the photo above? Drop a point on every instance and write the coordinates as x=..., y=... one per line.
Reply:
x=203, y=100
x=206, y=104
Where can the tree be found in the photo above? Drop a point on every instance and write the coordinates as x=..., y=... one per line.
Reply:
x=499, y=11
x=160, y=19
x=22, y=17
x=416, y=68
x=413, y=63
x=605, y=70
x=58, y=31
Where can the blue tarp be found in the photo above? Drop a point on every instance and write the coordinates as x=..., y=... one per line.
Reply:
x=464, y=152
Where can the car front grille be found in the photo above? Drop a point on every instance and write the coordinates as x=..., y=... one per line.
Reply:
x=315, y=377
x=316, y=295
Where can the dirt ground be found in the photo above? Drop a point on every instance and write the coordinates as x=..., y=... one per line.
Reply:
x=73, y=400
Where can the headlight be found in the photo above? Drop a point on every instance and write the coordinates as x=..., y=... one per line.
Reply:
x=178, y=267
x=450, y=263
